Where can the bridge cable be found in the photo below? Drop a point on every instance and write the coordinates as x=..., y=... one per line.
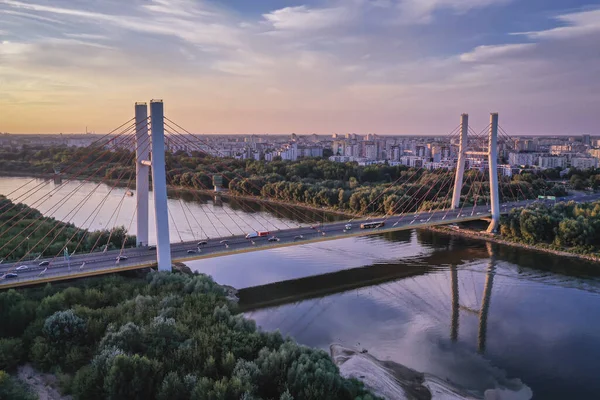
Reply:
x=70, y=166
x=196, y=180
x=274, y=211
x=102, y=182
x=65, y=198
x=116, y=182
x=291, y=209
x=55, y=190
x=241, y=178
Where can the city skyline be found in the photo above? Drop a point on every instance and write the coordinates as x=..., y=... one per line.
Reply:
x=389, y=67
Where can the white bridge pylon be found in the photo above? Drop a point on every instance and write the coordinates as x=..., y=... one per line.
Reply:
x=492, y=166
x=159, y=180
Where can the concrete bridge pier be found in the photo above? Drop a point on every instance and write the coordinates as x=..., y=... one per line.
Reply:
x=142, y=171
x=57, y=176
x=159, y=186
x=493, y=168
x=460, y=167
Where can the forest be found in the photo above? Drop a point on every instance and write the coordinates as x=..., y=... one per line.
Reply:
x=168, y=336
x=26, y=233
x=313, y=182
x=565, y=226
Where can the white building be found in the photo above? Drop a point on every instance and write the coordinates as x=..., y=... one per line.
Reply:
x=371, y=151
x=412, y=161
x=584, y=162
x=520, y=158
x=548, y=161
x=290, y=152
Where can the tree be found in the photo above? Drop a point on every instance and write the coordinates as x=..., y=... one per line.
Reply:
x=132, y=377
x=174, y=388
x=65, y=328
x=88, y=384
x=11, y=354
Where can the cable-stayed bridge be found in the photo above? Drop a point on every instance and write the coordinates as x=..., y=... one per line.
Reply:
x=147, y=135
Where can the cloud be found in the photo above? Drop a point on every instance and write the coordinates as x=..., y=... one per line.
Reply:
x=486, y=53
x=30, y=16
x=422, y=11
x=87, y=36
x=577, y=24
x=305, y=19
x=54, y=10
x=197, y=26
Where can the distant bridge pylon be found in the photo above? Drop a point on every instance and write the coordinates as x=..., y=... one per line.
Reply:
x=492, y=155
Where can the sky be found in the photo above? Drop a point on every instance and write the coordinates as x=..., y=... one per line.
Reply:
x=307, y=66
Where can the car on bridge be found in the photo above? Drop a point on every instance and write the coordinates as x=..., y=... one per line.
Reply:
x=372, y=225
x=202, y=243
x=121, y=258
x=9, y=275
x=273, y=239
x=348, y=227
x=21, y=268
x=224, y=241
x=44, y=263
x=191, y=251
x=299, y=237
x=151, y=247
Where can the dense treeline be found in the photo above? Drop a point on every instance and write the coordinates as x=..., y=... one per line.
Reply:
x=25, y=231
x=323, y=183
x=86, y=161
x=571, y=226
x=415, y=189
x=169, y=337
x=348, y=186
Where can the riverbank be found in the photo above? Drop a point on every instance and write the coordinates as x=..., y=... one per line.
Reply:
x=478, y=235
x=392, y=380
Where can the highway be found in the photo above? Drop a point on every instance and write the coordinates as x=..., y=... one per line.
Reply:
x=97, y=263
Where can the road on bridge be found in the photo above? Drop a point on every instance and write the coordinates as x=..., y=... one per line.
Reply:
x=97, y=263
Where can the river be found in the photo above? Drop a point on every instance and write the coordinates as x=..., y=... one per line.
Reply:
x=469, y=311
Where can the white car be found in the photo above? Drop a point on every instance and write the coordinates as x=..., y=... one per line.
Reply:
x=22, y=267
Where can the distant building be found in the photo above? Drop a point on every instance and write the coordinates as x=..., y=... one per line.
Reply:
x=594, y=153
x=584, y=162
x=587, y=140
x=550, y=161
x=523, y=158
x=505, y=170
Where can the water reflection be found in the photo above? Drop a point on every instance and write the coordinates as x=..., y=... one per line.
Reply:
x=453, y=307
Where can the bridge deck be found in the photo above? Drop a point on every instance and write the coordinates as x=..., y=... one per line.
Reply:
x=85, y=265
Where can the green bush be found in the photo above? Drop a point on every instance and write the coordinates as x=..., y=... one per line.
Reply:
x=11, y=354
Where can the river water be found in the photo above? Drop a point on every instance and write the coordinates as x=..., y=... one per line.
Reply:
x=464, y=310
